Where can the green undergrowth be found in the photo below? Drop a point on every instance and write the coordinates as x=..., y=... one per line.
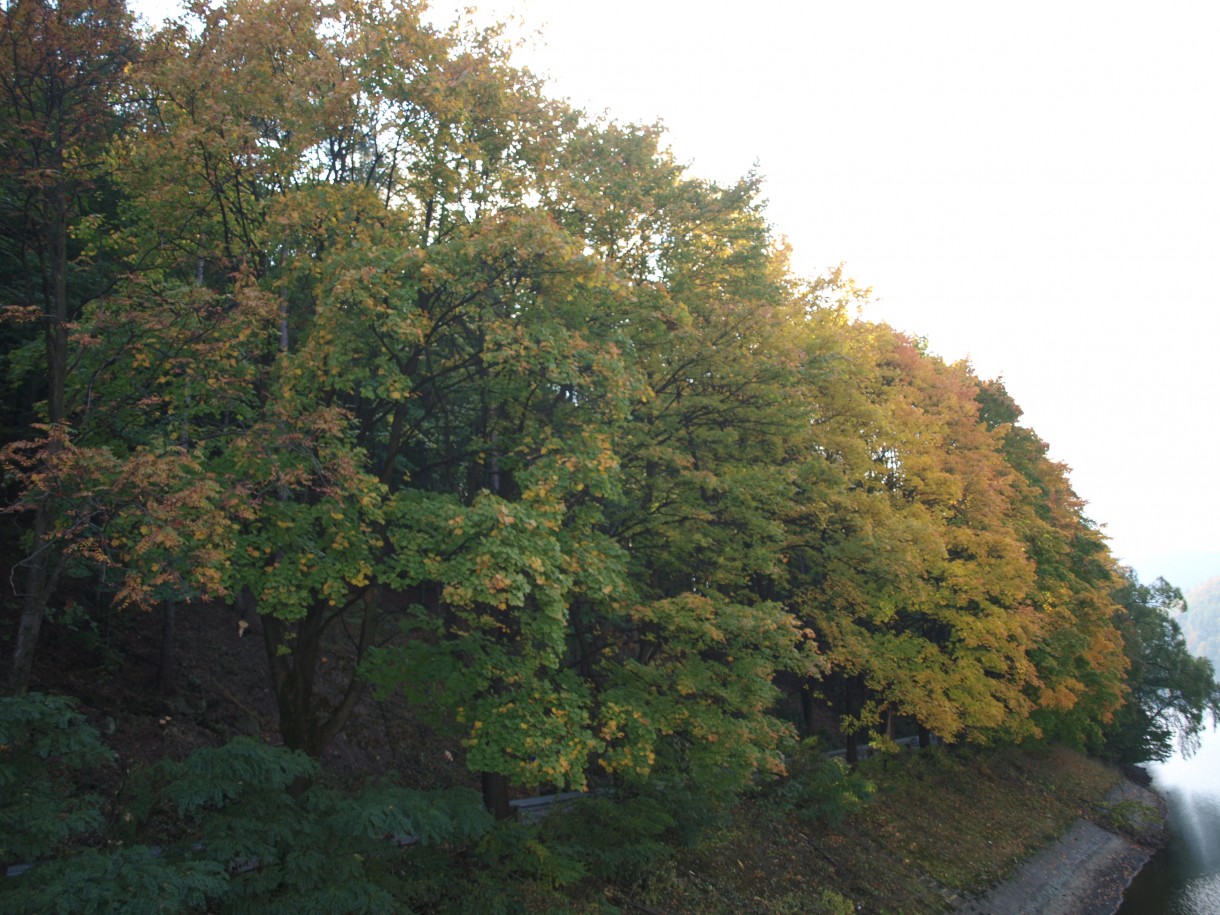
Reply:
x=250, y=828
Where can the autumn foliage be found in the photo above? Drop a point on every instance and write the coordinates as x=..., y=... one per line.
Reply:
x=347, y=324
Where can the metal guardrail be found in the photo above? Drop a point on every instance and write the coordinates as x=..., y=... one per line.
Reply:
x=533, y=809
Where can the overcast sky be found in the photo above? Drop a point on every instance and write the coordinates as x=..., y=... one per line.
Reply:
x=1031, y=185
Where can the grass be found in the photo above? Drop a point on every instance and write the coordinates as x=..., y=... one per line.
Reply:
x=943, y=823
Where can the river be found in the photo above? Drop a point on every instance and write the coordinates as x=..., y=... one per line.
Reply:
x=1184, y=879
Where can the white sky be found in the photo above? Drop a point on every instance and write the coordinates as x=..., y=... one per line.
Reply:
x=1030, y=185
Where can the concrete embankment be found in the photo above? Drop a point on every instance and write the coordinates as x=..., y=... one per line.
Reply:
x=1086, y=871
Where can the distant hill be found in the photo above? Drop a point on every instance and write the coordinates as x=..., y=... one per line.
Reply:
x=1201, y=622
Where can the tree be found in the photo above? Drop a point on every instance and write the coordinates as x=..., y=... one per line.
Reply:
x=61, y=82
x=515, y=402
x=1079, y=657
x=1171, y=691
x=686, y=659
x=905, y=559
x=316, y=182
x=1201, y=626
x=583, y=605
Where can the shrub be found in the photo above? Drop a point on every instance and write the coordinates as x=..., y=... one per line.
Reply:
x=820, y=788
x=226, y=829
x=617, y=841
x=43, y=741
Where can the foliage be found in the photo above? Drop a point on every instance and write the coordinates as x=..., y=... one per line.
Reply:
x=43, y=740
x=1079, y=658
x=820, y=788
x=44, y=815
x=1201, y=626
x=1172, y=691
x=307, y=852
x=130, y=881
x=496, y=408
x=226, y=828
x=617, y=840
x=912, y=573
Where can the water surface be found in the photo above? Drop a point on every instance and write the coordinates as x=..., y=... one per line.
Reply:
x=1184, y=879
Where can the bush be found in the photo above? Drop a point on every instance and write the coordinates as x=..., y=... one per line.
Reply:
x=312, y=853
x=223, y=830
x=117, y=881
x=616, y=841
x=820, y=788
x=43, y=741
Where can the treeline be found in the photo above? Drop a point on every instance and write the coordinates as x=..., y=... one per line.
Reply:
x=328, y=314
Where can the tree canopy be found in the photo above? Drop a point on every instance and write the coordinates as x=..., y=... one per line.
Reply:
x=1172, y=691
x=331, y=316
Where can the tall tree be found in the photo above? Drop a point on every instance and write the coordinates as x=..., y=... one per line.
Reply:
x=587, y=543
x=331, y=167
x=687, y=661
x=62, y=77
x=1172, y=691
x=1079, y=653
x=919, y=589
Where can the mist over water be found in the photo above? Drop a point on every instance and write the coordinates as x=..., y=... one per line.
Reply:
x=1185, y=878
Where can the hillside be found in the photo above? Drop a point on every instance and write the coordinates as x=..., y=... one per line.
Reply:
x=793, y=846
x=904, y=852
x=1201, y=622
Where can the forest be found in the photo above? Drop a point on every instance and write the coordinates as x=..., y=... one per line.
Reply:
x=1200, y=620
x=330, y=325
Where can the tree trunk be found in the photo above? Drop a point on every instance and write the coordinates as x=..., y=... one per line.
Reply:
x=167, y=675
x=57, y=330
x=303, y=725
x=39, y=583
x=853, y=702
x=853, y=750
x=807, y=706
x=28, y=627
x=292, y=676
x=495, y=795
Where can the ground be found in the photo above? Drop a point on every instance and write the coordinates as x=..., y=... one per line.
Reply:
x=944, y=831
